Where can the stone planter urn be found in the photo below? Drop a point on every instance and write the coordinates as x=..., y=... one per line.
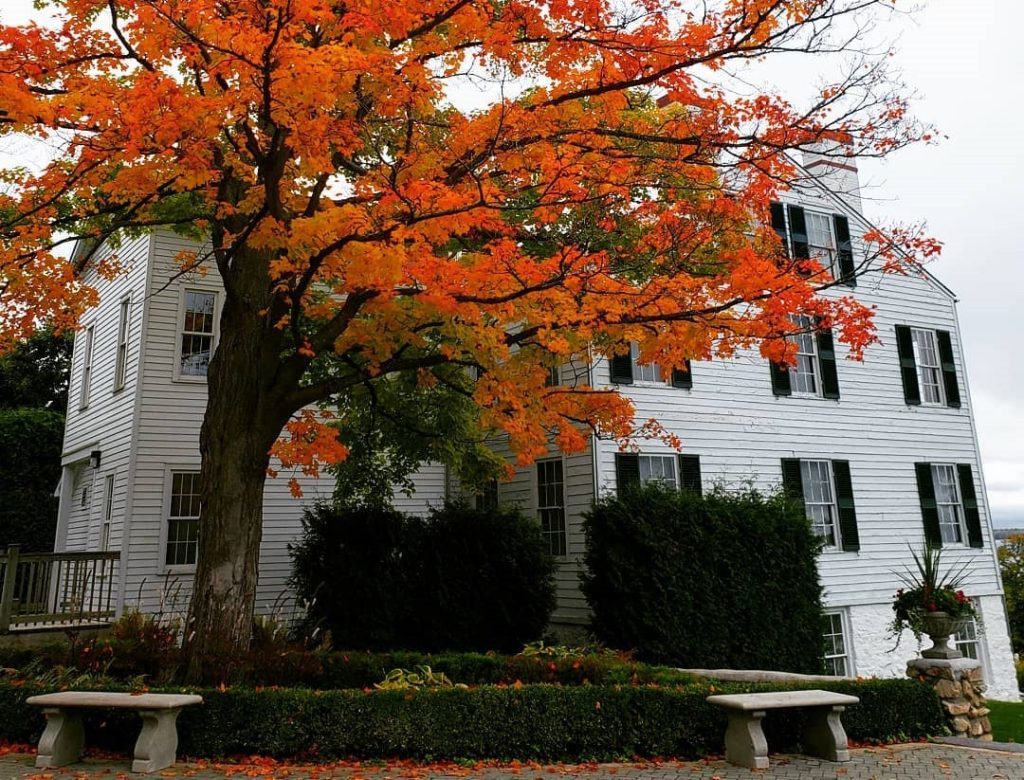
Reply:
x=940, y=626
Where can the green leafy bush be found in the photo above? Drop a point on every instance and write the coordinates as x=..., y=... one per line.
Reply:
x=539, y=722
x=30, y=446
x=722, y=580
x=460, y=579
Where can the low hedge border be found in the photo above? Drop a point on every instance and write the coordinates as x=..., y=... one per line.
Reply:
x=530, y=722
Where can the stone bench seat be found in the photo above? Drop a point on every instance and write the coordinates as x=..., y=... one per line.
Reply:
x=824, y=736
x=63, y=740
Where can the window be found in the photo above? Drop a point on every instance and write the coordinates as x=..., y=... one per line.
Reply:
x=554, y=377
x=820, y=240
x=487, y=498
x=83, y=400
x=108, y=512
x=197, y=333
x=803, y=375
x=819, y=499
x=648, y=372
x=183, y=519
x=551, y=503
x=121, y=367
x=837, y=655
x=947, y=501
x=658, y=468
x=929, y=368
x=967, y=642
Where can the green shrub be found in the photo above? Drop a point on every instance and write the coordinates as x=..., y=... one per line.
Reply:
x=30, y=446
x=460, y=579
x=723, y=580
x=540, y=722
x=1019, y=664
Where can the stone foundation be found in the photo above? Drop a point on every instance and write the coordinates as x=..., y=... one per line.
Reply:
x=958, y=682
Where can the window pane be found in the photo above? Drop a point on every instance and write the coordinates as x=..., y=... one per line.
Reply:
x=803, y=373
x=947, y=501
x=836, y=656
x=551, y=504
x=929, y=369
x=819, y=237
x=195, y=354
x=183, y=519
x=819, y=499
x=658, y=468
x=648, y=372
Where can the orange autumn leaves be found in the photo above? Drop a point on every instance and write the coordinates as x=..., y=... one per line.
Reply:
x=595, y=190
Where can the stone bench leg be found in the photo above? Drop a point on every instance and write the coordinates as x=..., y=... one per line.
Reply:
x=745, y=744
x=157, y=745
x=62, y=741
x=824, y=735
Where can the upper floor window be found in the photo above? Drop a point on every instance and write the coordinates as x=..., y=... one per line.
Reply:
x=809, y=234
x=813, y=371
x=183, y=519
x=927, y=366
x=627, y=368
x=121, y=366
x=949, y=504
x=551, y=503
x=197, y=332
x=837, y=654
x=826, y=490
x=83, y=398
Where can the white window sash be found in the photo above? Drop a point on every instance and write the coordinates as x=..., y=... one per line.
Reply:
x=120, y=370
x=809, y=469
x=949, y=504
x=90, y=336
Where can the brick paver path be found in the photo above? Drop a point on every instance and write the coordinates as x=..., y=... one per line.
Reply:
x=898, y=762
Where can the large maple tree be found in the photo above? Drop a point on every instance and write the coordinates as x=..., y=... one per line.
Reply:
x=400, y=187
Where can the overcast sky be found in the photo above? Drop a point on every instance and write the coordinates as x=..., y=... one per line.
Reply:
x=965, y=61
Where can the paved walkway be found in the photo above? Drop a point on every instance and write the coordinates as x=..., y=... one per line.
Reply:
x=899, y=762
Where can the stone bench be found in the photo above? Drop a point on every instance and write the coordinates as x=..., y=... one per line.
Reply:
x=63, y=739
x=824, y=736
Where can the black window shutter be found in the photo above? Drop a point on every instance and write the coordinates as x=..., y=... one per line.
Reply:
x=627, y=472
x=948, y=368
x=622, y=368
x=970, y=499
x=844, y=255
x=689, y=474
x=792, y=482
x=682, y=377
x=929, y=510
x=844, y=502
x=781, y=384
x=827, y=362
x=798, y=233
x=908, y=366
x=779, y=225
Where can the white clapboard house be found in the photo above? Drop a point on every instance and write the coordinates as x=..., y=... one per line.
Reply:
x=884, y=451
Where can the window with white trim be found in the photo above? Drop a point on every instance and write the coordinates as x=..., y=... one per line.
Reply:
x=837, y=652
x=108, y=513
x=967, y=640
x=948, y=503
x=121, y=366
x=821, y=241
x=83, y=397
x=929, y=367
x=183, y=519
x=644, y=372
x=803, y=374
x=658, y=468
x=197, y=331
x=551, y=503
x=820, y=499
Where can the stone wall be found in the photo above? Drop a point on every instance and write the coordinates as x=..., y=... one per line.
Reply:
x=961, y=688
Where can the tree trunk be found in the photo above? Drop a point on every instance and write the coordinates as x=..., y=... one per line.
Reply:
x=240, y=426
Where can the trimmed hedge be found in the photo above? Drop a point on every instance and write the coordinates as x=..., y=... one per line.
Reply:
x=533, y=722
x=459, y=579
x=726, y=580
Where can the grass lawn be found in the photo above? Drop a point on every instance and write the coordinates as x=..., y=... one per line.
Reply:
x=1007, y=720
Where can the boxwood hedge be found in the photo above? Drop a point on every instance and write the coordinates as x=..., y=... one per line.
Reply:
x=541, y=722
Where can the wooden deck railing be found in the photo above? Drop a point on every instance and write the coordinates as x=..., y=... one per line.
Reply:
x=44, y=590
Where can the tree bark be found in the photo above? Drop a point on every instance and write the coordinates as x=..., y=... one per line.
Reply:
x=241, y=423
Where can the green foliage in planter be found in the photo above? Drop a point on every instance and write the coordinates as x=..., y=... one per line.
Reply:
x=460, y=579
x=541, y=722
x=722, y=580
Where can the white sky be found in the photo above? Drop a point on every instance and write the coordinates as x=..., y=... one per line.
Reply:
x=965, y=61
